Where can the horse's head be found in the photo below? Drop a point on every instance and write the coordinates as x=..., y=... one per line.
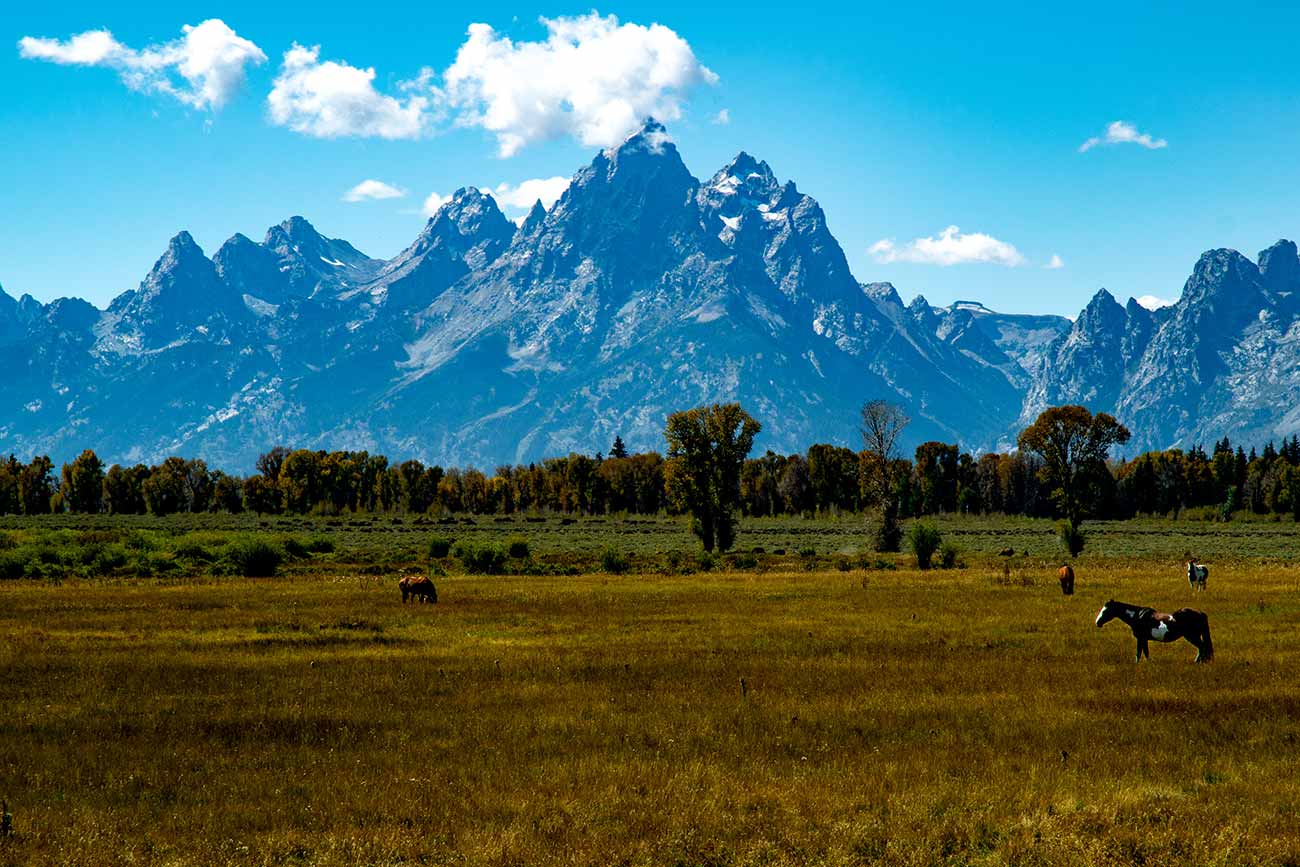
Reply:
x=1106, y=614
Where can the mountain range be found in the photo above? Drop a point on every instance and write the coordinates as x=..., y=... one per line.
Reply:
x=642, y=290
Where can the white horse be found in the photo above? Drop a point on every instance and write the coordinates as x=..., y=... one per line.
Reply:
x=1196, y=575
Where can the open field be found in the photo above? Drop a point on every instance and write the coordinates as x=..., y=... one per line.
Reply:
x=785, y=713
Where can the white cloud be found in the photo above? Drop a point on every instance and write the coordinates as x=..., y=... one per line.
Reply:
x=592, y=78
x=1054, y=263
x=1151, y=302
x=1123, y=132
x=951, y=247
x=371, y=190
x=723, y=117
x=433, y=203
x=525, y=193
x=203, y=68
x=331, y=99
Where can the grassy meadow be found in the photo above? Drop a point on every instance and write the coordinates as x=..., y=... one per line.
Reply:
x=819, y=705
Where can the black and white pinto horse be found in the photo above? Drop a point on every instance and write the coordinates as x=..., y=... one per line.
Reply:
x=1151, y=625
x=1196, y=575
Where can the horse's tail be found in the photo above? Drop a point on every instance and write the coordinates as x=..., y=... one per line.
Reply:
x=1207, y=649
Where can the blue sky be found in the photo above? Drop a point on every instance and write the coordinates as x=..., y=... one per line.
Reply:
x=901, y=122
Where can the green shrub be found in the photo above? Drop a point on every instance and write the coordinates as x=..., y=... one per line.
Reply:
x=254, y=557
x=807, y=552
x=7, y=542
x=744, y=561
x=705, y=561
x=194, y=551
x=13, y=565
x=948, y=554
x=293, y=548
x=481, y=558
x=138, y=540
x=613, y=561
x=320, y=545
x=1071, y=537
x=108, y=559
x=439, y=547
x=518, y=548
x=924, y=539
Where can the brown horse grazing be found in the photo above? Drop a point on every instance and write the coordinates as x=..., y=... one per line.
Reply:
x=419, y=587
x=1066, y=577
x=1151, y=625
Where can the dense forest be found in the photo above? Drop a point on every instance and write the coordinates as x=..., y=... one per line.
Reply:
x=827, y=479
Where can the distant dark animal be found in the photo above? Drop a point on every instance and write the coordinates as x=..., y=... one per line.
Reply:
x=419, y=587
x=1151, y=625
x=1197, y=574
x=1066, y=576
x=1007, y=552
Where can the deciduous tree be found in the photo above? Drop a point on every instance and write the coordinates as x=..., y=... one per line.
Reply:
x=707, y=447
x=1073, y=444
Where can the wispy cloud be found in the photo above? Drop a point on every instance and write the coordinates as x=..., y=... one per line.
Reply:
x=433, y=203
x=1151, y=302
x=1123, y=132
x=330, y=99
x=1054, y=263
x=203, y=69
x=950, y=247
x=525, y=193
x=371, y=190
x=723, y=117
x=591, y=78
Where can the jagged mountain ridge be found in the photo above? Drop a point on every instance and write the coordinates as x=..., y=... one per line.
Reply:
x=642, y=290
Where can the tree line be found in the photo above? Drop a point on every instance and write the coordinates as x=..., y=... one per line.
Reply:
x=707, y=462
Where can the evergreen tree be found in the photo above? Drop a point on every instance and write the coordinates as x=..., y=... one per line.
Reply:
x=618, y=450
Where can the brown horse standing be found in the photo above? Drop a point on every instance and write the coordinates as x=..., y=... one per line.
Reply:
x=1066, y=577
x=1151, y=625
x=418, y=586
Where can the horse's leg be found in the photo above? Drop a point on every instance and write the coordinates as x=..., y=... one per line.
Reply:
x=1141, y=649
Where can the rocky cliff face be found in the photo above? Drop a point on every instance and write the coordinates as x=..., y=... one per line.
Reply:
x=1221, y=361
x=641, y=291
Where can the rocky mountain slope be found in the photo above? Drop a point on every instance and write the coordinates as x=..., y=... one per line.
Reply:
x=642, y=290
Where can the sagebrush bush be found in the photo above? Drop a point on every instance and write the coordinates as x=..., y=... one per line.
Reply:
x=614, y=561
x=482, y=558
x=924, y=539
x=948, y=554
x=254, y=557
x=518, y=548
x=439, y=547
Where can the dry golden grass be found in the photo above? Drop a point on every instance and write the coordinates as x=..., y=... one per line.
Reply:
x=963, y=717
